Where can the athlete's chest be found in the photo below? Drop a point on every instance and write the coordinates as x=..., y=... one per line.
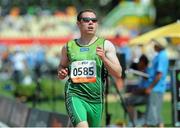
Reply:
x=83, y=53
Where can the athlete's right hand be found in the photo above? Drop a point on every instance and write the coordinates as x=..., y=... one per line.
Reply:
x=62, y=73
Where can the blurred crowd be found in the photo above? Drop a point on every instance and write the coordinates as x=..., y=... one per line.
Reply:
x=22, y=64
x=35, y=26
x=59, y=24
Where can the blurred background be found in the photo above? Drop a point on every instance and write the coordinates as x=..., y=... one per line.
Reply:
x=32, y=33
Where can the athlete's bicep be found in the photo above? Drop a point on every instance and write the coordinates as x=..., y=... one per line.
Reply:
x=110, y=51
x=112, y=63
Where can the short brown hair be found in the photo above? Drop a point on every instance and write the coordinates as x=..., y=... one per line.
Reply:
x=86, y=10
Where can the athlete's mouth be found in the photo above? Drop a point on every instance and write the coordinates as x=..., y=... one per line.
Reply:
x=90, y=27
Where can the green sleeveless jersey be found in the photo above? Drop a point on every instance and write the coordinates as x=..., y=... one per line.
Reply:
x=85, y=71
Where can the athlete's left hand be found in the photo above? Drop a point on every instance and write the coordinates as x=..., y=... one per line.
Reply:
x=100, y=52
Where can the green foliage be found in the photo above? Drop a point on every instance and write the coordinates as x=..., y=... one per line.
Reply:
x=165, y=10
x=49, y=87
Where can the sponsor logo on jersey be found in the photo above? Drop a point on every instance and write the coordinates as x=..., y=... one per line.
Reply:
x=84, y=49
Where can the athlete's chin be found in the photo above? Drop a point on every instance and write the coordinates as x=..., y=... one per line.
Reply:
x=90, y=32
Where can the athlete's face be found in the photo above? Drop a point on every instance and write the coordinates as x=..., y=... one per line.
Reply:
x=88, y=23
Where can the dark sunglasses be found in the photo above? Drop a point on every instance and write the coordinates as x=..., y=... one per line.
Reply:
x=87, y=19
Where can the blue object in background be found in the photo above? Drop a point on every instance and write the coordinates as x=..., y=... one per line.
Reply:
x=8, y=87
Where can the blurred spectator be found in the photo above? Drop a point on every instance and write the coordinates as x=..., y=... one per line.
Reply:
x=18, y=65
x=5, y=63
x=137, y=95
x=5, y=59
x=157, y=86
x=136, y=53
x=40, y=58
x=30, y=58
x=124, y=49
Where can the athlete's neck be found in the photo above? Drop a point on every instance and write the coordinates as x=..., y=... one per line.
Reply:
x=87, y=40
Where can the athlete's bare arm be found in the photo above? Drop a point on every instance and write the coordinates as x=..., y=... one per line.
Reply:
x=62, y=69
x=109, y=57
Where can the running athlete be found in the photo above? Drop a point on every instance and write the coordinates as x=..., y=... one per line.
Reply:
x=83, y=60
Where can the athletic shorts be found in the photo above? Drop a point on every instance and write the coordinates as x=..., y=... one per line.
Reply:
x=80, y=110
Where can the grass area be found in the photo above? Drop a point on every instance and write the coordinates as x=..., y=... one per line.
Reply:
x=114, y=108
x=53, y=87
x=117, y=113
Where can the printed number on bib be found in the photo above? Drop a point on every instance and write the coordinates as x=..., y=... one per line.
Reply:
x=83, y=71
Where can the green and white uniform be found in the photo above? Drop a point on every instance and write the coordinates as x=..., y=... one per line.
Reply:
x=84, y=90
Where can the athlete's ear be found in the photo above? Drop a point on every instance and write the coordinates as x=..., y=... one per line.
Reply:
x=78, y=23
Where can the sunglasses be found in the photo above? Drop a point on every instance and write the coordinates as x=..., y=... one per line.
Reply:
x=87, y=19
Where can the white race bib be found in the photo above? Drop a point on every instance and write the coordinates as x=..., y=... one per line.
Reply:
x=83, y=71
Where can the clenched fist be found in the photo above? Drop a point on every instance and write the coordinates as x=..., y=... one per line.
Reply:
x=62, y=73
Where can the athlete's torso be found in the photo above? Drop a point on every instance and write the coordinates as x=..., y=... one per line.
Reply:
x=85, y=76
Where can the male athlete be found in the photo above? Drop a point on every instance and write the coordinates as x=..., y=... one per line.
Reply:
x=84, y=60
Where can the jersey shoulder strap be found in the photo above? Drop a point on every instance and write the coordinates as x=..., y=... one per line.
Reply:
x=70, y=45
x=100, y=41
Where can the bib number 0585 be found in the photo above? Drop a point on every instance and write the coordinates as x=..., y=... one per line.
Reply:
x=83, y=71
